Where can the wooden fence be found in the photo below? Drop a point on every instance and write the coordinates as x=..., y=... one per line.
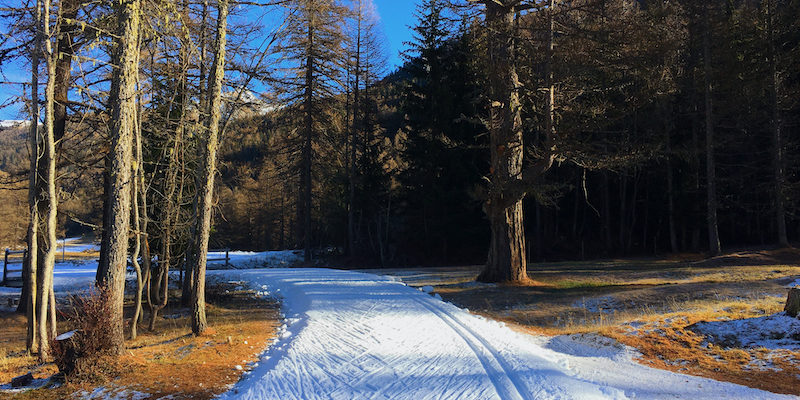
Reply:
x=12, y=276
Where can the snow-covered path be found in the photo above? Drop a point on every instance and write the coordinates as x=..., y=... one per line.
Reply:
x=352, y=335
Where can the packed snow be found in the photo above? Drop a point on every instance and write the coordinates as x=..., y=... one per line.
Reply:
x=355, y=335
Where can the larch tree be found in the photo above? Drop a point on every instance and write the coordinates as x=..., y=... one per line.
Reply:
x=30, y=267
x=45, y=300
x=508, y=182
x=111, y=272
x=312, y=42
x=205, y=192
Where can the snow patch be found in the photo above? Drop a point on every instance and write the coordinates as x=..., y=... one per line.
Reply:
x=777, y=331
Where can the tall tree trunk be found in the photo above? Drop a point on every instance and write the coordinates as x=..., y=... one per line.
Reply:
x=30, y=267
x=141, y=235
x=123, y=104
x=777, y=142
x=711, y=179
x=351, y=231
x=45, y=273
x=673, y=237
x=506, y=260
x=307, y=146
x=205, y=192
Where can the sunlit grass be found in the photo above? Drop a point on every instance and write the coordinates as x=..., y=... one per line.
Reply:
x=169, y=361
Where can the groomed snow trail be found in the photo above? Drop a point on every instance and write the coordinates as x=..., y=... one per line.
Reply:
x=351, y=335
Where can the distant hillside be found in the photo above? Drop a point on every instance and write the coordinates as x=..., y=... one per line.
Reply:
x=13, y=147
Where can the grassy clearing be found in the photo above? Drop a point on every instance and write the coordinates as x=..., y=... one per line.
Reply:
x=648, y=304
x=169, y=361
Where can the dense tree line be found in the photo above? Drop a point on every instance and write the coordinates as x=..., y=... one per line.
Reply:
x=622, y=88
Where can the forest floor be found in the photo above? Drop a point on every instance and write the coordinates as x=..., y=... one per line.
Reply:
x=658, y=306
x=169, y=362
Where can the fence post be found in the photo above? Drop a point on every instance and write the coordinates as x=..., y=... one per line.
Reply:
x=5, y=267
x=227, y=258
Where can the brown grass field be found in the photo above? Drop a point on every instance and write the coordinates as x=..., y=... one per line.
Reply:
x=169, y=361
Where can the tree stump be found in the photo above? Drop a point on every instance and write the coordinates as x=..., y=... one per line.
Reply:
x=792, y=307
x=66, y=352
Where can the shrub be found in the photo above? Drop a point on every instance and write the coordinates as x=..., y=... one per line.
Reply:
x=83, y=354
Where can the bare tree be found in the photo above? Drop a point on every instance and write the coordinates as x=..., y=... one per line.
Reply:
x=30, y=273
x=205, y=193
x=123, y=119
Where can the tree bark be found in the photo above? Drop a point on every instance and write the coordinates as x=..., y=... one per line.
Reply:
x=45, y=273
x=506, y=260
x=123, y=118
x=205, y=192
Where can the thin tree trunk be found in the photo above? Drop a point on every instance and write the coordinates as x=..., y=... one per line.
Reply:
x=307, y=147
x=45, y=273
x=123, y=103
x=137, y=188
x=673, y=237
x=351, y=232
x=30, y=272
x=777, y=142
x=711, y=179
x=205, y=192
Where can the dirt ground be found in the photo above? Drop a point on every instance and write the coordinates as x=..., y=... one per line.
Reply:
x=167, y=362
x=650, y=304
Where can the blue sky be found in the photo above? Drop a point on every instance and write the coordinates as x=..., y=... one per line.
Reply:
x=396, y=17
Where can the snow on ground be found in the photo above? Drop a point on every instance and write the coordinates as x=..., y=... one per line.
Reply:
x=352, y=335
x=68, y=277
x=777, y=331
x=78, y=245
x=265, y=259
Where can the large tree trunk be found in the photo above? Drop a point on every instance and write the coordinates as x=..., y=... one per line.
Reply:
x=205, y=192
x=506, y=260
x=123, y=119
x=711, y=179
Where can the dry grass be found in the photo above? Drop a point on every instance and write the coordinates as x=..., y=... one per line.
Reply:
x=169, y=361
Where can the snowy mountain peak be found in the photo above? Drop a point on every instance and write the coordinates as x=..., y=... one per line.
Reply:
x=10, y=123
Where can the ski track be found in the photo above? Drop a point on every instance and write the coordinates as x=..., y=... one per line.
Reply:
x=352, y=335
